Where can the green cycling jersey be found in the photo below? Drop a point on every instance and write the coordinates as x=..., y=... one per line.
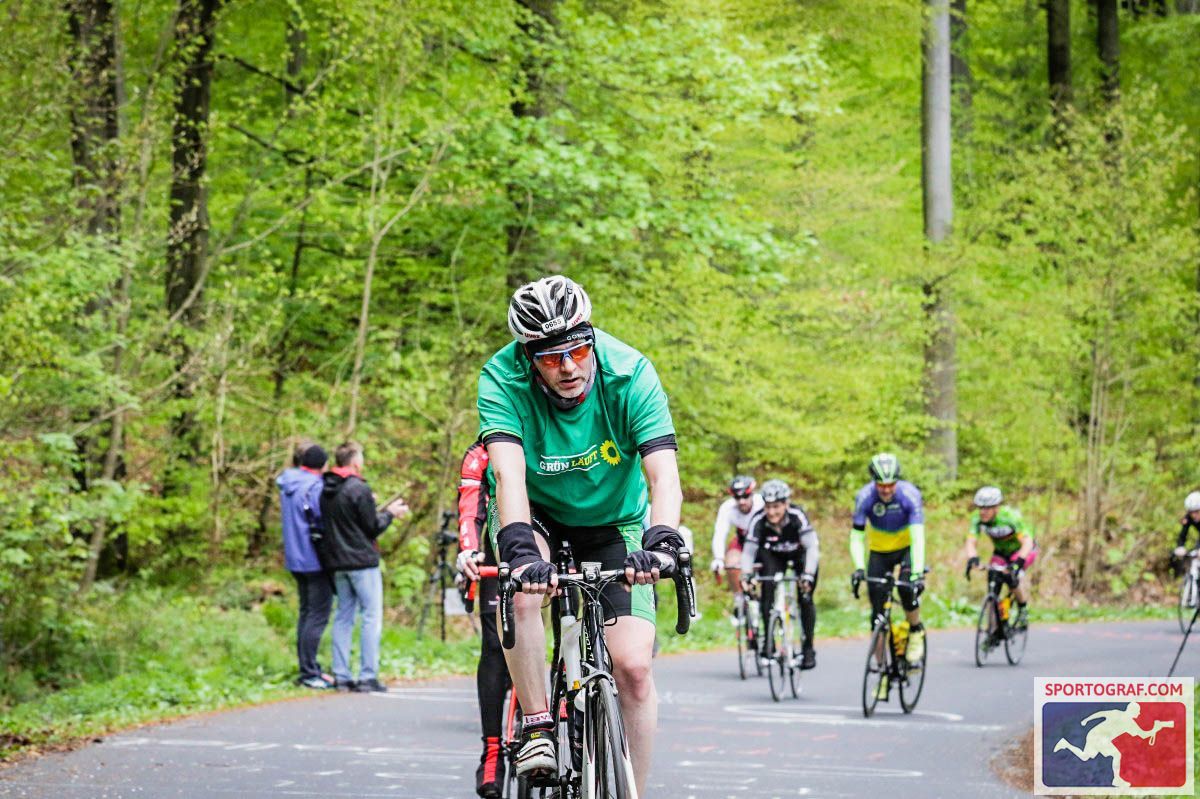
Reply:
x=1008, y=530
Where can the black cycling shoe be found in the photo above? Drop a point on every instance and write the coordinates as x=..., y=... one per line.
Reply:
x=808, y=660
x=371, y=686
x=489, y=777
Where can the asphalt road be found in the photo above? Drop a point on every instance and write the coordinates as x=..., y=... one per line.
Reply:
x=719, y=737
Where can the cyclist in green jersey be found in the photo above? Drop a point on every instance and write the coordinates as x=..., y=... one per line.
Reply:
x=1013, y=544
x=570, y=417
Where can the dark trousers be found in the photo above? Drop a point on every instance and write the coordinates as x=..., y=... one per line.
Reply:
x=316, y=601
x=776, y=562
x=491, y=678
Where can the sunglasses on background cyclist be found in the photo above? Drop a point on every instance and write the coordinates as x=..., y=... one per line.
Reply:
x=556, y=358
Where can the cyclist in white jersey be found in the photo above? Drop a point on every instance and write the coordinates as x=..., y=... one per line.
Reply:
x=734, y=515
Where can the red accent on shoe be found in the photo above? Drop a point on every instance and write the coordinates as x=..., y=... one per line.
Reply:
x=490, y=758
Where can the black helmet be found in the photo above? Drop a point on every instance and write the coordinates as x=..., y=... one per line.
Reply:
x=741, y=486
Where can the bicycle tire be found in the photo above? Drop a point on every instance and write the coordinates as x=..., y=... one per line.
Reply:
x=743, y=645
x=910, y=687
x=514, y=786
x=778, y=657
x=983, y=634
x=793, y=669
x=1187, y=600
x=875, y=671
x=1015, y=642
x=608, y=771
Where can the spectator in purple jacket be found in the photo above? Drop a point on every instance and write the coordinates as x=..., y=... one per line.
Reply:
x=300, y=500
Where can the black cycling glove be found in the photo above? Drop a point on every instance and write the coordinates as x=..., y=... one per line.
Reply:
x=642, y=560
x=972, y=563
x=539, y=571
x=856, y=581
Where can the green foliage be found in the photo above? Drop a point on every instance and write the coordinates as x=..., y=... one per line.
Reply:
x=738, y=186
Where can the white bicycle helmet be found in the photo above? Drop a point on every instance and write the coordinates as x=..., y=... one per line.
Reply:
x=988, y=497
x=776, y=491
x=1192, y=502
x=547, y=308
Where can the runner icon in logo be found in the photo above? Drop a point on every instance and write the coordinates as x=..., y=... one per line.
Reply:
x=1099, y=741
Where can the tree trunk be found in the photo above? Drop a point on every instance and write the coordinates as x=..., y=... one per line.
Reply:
x=297, y=56
x=1093, y=491
x=1058, y=55
x=95, y=121
x=937, y=188
x=529, y=102
x=1108, y=41
x=187, y=239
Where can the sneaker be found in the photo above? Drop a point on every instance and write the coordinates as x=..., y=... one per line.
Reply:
x=916, y=647
x=538, y=753
x=882, y=692
x=371, y=686
x=344, y=686
x=809, y=659
x=316, y=683
x=489, y=777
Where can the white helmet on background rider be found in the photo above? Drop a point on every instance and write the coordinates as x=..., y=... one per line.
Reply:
x=988, y=497
x=1192, y=502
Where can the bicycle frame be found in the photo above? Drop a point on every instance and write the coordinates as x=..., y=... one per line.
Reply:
x=580, y=662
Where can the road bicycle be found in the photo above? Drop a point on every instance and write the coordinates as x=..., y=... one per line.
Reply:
x=1189, y=589
x=745, y=622
x=886, y=656
x=593, y=755
x=785, y=638
x=995, y=626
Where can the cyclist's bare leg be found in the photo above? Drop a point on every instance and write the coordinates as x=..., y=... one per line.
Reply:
x=913, y=616
x=527, y=659
x=1022, y=590
x=630, y=644
x=734, y=574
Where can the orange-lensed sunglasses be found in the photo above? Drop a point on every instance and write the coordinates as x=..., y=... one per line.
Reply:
x=555, y=358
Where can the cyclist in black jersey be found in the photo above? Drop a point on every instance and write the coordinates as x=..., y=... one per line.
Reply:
x=778, y=535
x=1190, y=520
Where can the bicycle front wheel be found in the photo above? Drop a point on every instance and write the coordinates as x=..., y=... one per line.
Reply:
x=1187, y=600
x=778, y=657
x=913, y=680
x=607, y=769
x=984, y=630
x=877, y=668
x=742, y=643
x=1014, y=642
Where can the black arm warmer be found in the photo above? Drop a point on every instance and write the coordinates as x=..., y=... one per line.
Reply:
x=498, y=437
x=655, y=444
x=517, y=545
x=661, y=538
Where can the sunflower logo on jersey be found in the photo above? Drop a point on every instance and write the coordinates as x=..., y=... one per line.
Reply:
x=610, y=453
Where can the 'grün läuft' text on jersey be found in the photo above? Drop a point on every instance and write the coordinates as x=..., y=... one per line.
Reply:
x=582, y=465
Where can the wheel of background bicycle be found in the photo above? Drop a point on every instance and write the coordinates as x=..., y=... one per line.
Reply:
x=913, y=681
x=875, y=670
x=608, y=769
x=756, y=654
x=510, y=735
x=1014, y=643
x=793, y=669
x=983, y=635
x=776, y=665
x=743, y=645
x=1187, y=600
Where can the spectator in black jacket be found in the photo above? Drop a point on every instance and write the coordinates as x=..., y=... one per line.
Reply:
x=348, y=548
